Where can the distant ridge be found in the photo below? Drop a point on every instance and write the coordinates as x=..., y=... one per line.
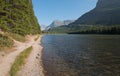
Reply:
x=57, y=23
x=106, y=12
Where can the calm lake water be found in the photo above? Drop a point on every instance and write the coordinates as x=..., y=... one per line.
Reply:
x=81, y=55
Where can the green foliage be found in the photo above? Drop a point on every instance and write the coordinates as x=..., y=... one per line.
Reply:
x=86, y=29
x=20, y=60
x=17, y=16
x=16, y=37
x=5, y=41
x=99, y=30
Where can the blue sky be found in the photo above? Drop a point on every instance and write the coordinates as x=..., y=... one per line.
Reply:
x=48, y=10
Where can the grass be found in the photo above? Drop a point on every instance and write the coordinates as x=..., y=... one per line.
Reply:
x=5, y=42
x=16, y=37
x=36, y=38
x=20, y=61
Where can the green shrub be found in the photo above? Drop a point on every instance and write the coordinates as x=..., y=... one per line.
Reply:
x=16, y=37
x=5, y=41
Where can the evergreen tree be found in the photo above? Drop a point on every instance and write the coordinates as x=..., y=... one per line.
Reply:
x=17, y=16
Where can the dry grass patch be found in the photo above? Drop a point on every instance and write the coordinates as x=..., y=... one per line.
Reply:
x=36, y=38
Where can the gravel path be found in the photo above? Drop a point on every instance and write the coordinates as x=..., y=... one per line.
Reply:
x=7, y=60
x=33, y=66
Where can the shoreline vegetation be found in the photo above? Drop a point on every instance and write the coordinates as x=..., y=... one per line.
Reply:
x=85, y=29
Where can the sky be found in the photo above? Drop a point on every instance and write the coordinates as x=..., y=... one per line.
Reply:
x=47, y=11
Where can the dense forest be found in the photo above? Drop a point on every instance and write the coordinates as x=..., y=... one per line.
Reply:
x=99, y=30
x=17, y=16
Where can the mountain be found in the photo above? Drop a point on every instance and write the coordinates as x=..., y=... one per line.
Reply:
x=103, y=19
x=17, y=16
x=67, y=22
x=106, y=12
x=43, y=27
x=57, y=23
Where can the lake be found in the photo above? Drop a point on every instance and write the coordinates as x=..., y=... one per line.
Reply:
x=81, y=55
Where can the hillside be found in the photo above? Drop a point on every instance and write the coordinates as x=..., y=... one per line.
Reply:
x=17, y=16
x=103, y=19
x=106, y=12
x=17, y=20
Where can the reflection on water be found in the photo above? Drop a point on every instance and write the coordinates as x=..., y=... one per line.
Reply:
x=81, y=55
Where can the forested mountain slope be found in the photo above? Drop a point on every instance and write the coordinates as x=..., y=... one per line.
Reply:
x=17, y=16
x=106, y=12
